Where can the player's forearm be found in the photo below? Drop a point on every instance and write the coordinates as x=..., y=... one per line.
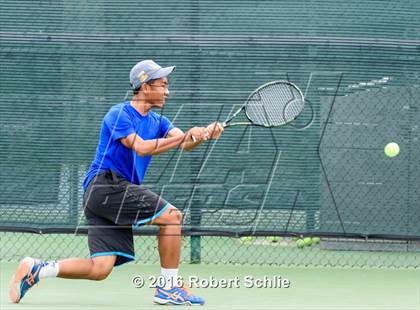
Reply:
x=158, y=146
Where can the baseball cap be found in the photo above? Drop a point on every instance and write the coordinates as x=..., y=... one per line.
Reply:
x=147, y=70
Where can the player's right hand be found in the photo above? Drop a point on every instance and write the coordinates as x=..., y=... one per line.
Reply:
x=197, y=134
x=215, y=130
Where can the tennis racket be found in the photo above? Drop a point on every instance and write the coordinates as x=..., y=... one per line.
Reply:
x=273, y=104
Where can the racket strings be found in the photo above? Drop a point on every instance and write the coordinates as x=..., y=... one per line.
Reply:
x=274, y=105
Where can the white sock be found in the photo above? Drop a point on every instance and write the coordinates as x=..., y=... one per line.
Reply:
x=170, y=276
x=49, y=269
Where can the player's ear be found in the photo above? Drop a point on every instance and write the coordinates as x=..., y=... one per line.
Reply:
x=145, y=88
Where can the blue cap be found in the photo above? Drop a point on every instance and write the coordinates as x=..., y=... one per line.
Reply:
x=147, y=70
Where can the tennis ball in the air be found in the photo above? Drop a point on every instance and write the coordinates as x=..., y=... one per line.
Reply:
x=274, y=239
x=392, y=149
x=316, y=240
x=307, y=241
x=300, y=243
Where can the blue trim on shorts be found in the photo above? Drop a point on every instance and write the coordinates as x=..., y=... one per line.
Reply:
x=153, y=217
x=130, y=257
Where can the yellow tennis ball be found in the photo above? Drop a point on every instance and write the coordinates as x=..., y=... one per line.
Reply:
x=246, y=239
x=392, y=149
x=316, y=240
x=274, y=239
x=300, y=243
x=307, y=241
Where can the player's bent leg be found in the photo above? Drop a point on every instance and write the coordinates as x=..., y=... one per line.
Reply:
x=172, y=293
x=169, y=238
x=97, y=268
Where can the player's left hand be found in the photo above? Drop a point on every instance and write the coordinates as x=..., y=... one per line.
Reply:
x=197, y=134
x=215, y=130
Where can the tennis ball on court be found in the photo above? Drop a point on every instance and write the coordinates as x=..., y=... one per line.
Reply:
x=392, y=149
x=246, y=239
x=300, y=243
x=316, y=240
x=307, y=241
x=274, y=239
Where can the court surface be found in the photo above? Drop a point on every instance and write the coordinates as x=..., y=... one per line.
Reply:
x=310, y=288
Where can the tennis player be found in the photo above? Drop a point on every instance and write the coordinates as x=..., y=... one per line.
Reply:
x=115, y=201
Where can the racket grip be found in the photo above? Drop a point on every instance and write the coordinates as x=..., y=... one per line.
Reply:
x=224, y=124
x=194, y=139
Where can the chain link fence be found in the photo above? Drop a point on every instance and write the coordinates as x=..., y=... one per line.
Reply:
x=274, y=251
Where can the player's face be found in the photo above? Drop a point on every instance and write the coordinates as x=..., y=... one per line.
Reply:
x=158, y=91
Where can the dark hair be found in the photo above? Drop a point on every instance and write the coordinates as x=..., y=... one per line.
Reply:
x=136, y=91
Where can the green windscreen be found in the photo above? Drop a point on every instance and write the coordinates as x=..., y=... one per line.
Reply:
x=65, y=63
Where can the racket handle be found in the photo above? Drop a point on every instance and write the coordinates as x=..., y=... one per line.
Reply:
x=224, y=124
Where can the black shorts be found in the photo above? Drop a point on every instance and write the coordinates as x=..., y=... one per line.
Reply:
x=112, y=207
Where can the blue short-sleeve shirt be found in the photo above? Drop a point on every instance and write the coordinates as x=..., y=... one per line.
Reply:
x=121, y=121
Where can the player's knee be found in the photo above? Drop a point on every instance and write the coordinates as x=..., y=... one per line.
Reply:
x=175, y=216
x=171, y=216
x=99, y=274
x=101, y=268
